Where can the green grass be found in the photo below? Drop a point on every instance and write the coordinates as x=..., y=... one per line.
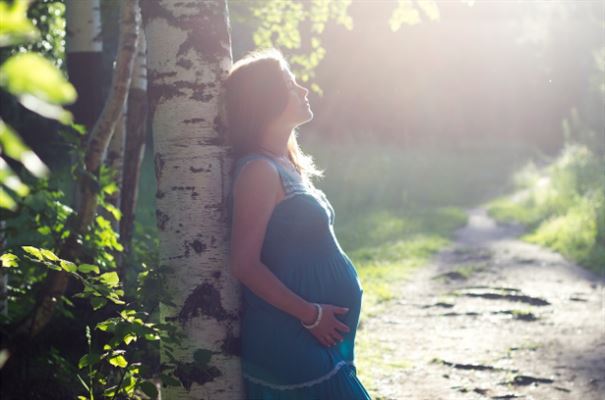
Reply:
x=385, y=245
x=562, y=205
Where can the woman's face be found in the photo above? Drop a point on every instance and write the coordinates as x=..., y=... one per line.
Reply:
x=298, y=110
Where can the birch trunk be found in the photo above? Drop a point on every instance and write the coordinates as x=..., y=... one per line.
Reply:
x=83, y=57
x=136, y=126
x=189, y=55
x=83, y=53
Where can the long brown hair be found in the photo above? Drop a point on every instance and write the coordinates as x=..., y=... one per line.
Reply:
x=255, y=94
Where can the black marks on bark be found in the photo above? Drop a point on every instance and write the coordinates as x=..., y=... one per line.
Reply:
x=220, y=128
x=207, y=32
x=159, y=194
x=161, y=219
x=198, y=246
x=200, y=93
x=159, y=163
x=213, y=141
x=204, y=300
x=194, y=194
x=201, y=169
x=190, y=373
x=216, y=274
x=182, y=188
x=215, y=206
x=231, y=345
x=183, y=62
x=194, y=120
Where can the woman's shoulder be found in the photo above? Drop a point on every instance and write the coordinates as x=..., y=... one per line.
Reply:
x=256, y=171
x=257, y=162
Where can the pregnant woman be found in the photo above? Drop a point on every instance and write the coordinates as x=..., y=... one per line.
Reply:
x=301, y=293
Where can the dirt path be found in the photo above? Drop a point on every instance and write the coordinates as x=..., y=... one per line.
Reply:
x=493, y=318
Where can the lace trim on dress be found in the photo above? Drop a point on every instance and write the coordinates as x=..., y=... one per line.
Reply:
x=327, y=376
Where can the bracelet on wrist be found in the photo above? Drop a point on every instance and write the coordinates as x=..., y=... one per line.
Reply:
x=316, y=322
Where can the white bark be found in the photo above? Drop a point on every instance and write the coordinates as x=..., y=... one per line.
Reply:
x=189, y=55
x=83, y=26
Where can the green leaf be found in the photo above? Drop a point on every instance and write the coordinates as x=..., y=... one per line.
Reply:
x=49, y=255
x=16, y=28
x=87, y=268
x=106, y=325
x=14, y=147
x=34, y=251
x=110, y=279
x=118, y=361
x=32, y=74
x=6, y=201
x=9, y=260
x=88, y=359
x=97, y=302
x=115, y=212
x=130, y=337
x=11, y=180
x=149, y=389
x=68, y=266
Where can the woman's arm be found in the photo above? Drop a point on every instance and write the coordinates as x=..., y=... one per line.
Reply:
x=254, y=194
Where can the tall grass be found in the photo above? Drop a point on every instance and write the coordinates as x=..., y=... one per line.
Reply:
x=363, y=173
x=562, y=204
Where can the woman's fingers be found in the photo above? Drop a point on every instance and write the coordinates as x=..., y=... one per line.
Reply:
x=340, y=310
x=343, y=327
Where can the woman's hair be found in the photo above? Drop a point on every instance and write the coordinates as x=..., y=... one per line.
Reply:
x=255, y=94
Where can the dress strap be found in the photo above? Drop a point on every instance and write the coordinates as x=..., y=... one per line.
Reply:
x=292, y=182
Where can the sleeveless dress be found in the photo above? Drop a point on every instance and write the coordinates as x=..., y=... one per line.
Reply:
x=281, y=359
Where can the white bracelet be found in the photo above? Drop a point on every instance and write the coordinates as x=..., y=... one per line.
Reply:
x=316, y=322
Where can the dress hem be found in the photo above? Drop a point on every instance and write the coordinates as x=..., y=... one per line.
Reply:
x=325, y=377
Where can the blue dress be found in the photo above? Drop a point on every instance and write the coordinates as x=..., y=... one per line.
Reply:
x=281, y=359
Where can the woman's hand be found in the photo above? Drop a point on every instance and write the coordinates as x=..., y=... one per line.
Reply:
x=327, y=330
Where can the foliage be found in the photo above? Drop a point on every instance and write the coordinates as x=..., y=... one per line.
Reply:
x=38, y=85
x=114, y=337
x=295, y=27
x=562, y=204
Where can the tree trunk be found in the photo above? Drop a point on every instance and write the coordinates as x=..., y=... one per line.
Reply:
x=83, y=52
x=3, y=278
x=189, y=55
x=83, y=56
x=115, y=161
x=136, y=128
x=56, y=281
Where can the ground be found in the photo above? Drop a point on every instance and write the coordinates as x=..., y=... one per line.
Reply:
x=491, y=317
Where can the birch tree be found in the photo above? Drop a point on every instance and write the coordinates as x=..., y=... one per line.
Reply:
x=83, y=48
x=189, y=55
x=136, y=128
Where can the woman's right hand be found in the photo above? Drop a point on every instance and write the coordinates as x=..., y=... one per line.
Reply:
x=327, y=332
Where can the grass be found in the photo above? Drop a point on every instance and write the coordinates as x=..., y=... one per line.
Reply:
x=385, y=245
x=562, y=206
